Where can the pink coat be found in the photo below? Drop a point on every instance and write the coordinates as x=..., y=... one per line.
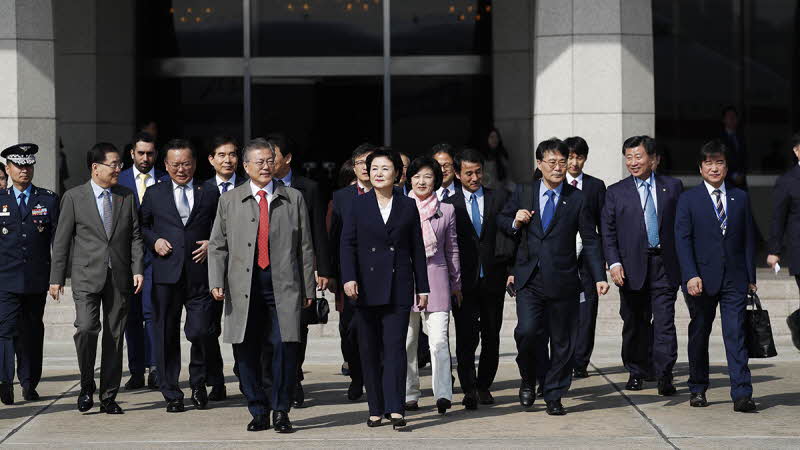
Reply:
x=444, y=268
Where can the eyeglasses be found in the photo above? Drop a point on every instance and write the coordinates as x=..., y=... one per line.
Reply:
x=262, y=162
x=552, y=163
x=114, y=166
x=446, y=166
x=186, y=165
x=359, y=162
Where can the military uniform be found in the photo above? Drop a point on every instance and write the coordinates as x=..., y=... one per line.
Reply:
x=26, y=233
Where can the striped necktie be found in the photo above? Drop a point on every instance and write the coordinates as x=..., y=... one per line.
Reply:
x=720, y=210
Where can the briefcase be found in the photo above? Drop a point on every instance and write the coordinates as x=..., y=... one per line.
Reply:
x=794, y=326
x=758, y=331
x=317, y=313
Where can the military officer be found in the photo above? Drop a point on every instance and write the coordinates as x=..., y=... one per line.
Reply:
x=28, y=217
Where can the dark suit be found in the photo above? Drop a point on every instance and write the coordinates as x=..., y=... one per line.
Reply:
x=480, y=316
x=594, y=190
x=725, y=264
x=140, y=334
x=652, y=276
x=179, y=282
x=388, y=262
x=546, y=275
x=786, y=219
x=24, y=268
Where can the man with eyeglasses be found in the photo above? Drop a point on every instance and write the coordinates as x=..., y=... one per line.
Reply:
x=28, y=217
x=444, y=154
x=638, y=228
x=177, y=217
x=545, y=217
x=99, y=227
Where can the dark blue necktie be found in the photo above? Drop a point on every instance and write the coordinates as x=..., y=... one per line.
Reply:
x=225, y=186
x=549, y=209
x=23, y=205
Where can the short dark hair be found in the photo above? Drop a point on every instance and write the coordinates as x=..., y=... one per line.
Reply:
x=422, y=162
x=220, y=140
x=644, y=140
x=366, y=147
x=392, y=156
x=713, y=147
x=178, y=143
x=577, y=145
x=3, y=169
x=346, y=174
x=97, y=154
x=729, y=108
x=468, y=155
x=142, y=136
x=551, y=145
x=443, y=147
x=282, y=141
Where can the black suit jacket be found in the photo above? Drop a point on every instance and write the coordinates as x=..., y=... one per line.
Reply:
x=594, y=191
x=786, y=217
x=480, y=250
x=316, y=213
x=211, y=183
x=160, y=219
x=553, y=250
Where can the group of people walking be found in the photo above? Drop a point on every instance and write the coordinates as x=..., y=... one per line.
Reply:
x=407, y=244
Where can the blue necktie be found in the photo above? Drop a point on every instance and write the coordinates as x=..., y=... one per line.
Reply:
x=23, y=205
x=650, y=217
x=225, y=186
x=476, y=219
x=549, y=209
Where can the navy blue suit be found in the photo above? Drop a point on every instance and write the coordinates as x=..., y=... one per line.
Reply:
x=725, y=264
x=388, y=262
x=652, y=275
x=546, y=275
x=139, y=331
x=25, y=244
x=178, y=281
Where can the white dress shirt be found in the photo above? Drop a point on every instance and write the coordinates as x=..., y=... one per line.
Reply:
x=579, y=186
x=150, y=181
x=176, y=192
x=478, y=197
x=220, y=181
x=451, y=190
x=363, y=188
x=579, y=178
x=269, y=189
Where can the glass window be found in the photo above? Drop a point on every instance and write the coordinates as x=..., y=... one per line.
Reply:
x=439, y=27
x=317, y=28
x=190, y=28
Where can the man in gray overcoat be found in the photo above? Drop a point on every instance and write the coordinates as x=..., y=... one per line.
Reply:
x=261, y=264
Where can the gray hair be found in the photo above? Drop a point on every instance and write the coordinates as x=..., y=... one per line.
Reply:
x=257, y=144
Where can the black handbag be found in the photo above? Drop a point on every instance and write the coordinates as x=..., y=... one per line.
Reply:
x=794, y=326
x=317, y=313
x=758, y=331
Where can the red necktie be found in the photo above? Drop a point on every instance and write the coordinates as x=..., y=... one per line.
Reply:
x=360, y=191
x=575, y=183
x=263, y=231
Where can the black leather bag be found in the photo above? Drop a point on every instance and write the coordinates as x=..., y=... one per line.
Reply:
x=794, y=326
x=317, y=313
x=758, y=331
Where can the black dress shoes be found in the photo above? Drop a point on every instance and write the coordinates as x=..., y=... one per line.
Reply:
x=634, y=384
x=200, y=397
x=442, y=405
x=281, y=423
x=666, y=388
x=375, y=423
x=485, y=397
x=218, y=393
x=175, y=406
x=85, y=401
x=7, y=393
x=470, y=400
x=526, y=396
x=345, y=369
x=411, y=406
x=744, y=404
x=259, y=423
x=153, y=381
x=298, y=396
x=555, y=408
x=580, y=372
x=134, y=382
x=355, y=391
x=109, y=406
x=698, y=400
x=30, y=394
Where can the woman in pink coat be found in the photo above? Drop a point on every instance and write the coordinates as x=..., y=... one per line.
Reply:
x=438, y=222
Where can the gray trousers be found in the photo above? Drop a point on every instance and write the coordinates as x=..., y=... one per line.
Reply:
x=87, y=329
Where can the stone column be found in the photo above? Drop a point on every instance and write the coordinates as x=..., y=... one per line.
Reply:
x=27, y=89
x=593, y=73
